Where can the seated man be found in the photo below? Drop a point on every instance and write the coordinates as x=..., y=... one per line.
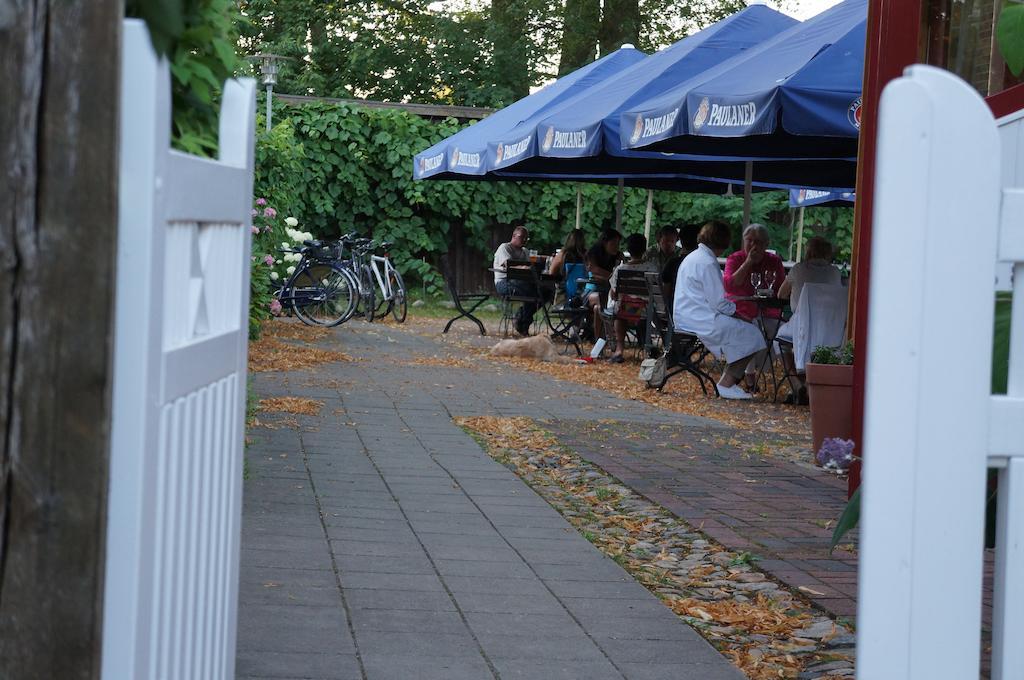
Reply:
x=701, y=307
x=635, y=244
x=663, y=250
x=515, y=250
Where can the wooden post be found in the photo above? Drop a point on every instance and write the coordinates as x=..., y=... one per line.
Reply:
x=748, y=180
x=60, y=65
x=579, y=205
x=800, y=235
x=648, y=215
x=618, y=205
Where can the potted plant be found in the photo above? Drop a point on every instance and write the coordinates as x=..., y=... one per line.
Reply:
x=830, y=386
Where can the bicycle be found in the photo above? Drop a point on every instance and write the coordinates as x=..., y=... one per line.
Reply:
x=319, y=291
x=392, y=288
x=375, y=273
x=359, y=268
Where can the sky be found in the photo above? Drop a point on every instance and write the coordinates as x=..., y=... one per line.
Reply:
x=804, y=9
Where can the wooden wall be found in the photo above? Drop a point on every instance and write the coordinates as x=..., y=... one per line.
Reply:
x=59, y=65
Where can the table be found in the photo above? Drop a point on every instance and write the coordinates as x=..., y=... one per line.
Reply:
x=763, y=303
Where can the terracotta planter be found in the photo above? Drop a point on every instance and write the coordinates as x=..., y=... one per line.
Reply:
x=830, y=388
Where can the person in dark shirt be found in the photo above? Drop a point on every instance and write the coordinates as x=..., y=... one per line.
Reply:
x=602, y=258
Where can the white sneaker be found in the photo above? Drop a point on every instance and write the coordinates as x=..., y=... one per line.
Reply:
x=734, y=392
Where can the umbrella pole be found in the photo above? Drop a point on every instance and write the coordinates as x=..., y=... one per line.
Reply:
x=647, y=217
x=792, y=227
x=748, y=180
x=618, y=204
x=579, y=204
x=800, y=234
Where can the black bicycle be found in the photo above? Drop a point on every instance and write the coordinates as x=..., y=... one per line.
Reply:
x=321, y=292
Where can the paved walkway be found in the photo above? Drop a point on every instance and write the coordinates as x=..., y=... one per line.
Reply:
x=380, y=541
x=778, y=511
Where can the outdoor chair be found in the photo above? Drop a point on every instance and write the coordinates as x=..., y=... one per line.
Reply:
x=523, y=272
x=819, y=319
x=473, y=300
x=566, y=318
x=683, y=352
x=632, y=301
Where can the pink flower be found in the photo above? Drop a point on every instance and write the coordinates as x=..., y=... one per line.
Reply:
x=255, y=212
x=261, y=201
x=275, y=307
x=269, y=212
x=254, y=229
x=269, y=259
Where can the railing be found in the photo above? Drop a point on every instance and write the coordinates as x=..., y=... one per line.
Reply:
x=179, y=384
x=948, y=206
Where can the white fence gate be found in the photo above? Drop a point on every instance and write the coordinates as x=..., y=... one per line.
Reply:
x=949, y=204
x=179, y=384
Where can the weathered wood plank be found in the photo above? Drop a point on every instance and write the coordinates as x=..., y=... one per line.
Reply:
x=59, y=62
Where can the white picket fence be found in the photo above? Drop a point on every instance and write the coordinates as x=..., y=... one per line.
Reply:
x=174, y=505
x=949, y=203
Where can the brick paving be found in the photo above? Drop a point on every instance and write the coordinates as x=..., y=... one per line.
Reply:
x=774, y=509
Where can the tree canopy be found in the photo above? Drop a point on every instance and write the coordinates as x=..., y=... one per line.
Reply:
x=466, y=52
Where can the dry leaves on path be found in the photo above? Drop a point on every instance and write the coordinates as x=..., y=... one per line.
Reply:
x=298, y=405
x=270, y=353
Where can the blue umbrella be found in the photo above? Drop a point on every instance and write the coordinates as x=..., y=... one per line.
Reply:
x=586, y=125
x=802, y=198
x=794, y=96
x=462, y=156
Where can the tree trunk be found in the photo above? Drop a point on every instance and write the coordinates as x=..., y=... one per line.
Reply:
x=579, y=34
x=620, y=24
x=511, y=64
x=60, y=65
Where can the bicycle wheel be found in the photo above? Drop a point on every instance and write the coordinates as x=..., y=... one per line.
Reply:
x=328, y=295
x=399, y=304
x=367, y=290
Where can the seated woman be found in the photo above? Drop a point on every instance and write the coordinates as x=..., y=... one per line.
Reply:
x=574, y=251
x=816, y=267
x=601, y=260
x=701, y=307
x=755, y=259
x=635, y=245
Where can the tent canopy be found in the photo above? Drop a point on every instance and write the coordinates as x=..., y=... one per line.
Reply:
x=586, y=124
x=796, y=95
x=463, y=154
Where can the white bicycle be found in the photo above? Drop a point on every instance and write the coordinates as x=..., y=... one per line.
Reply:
x=381, y=289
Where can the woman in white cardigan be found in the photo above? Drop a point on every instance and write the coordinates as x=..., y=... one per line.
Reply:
x=701, y=307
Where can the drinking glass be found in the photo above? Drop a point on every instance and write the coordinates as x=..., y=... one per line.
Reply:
x=769, y=281
x=755, y=281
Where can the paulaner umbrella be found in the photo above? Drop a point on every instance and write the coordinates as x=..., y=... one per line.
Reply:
x=462, y=156
x=796, y=95
x=585, y=126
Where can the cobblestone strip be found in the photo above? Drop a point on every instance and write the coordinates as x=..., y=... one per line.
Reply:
x=764, y=629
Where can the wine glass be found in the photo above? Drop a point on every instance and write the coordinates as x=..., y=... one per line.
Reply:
x=769, y=281
x=755, y=281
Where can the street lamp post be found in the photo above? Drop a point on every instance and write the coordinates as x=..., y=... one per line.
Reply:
x=268, y=69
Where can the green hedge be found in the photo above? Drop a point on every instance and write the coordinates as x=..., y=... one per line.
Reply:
x=339, y=168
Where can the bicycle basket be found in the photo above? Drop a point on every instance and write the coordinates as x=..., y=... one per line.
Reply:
x=325, y=253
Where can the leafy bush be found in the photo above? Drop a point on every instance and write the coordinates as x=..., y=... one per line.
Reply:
x=842, y=356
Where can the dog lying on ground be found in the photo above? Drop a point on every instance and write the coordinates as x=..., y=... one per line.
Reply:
x=533, y=347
